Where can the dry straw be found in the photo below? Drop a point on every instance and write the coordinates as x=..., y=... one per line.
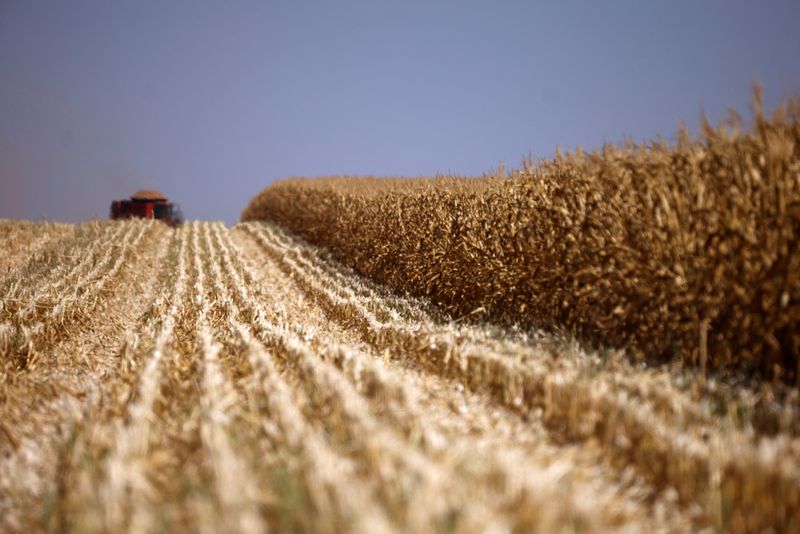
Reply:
x=683, y=250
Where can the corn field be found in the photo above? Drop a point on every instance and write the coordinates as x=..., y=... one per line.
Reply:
x=242, y=380
x=689, y=250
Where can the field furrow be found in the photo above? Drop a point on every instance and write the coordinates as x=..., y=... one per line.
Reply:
x=350, y=501
x=125, y=491
x=240, y=380
x=642, y=422
x=29, y=288
x=47, y=405
x=235, y=489
x=23, y=242
x=445, y=443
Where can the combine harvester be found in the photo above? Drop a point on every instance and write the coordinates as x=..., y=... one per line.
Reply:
x=147, y=204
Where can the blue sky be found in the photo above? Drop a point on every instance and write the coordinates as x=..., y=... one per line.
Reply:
x=211, y=101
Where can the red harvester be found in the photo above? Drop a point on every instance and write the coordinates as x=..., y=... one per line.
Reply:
x=147, y=204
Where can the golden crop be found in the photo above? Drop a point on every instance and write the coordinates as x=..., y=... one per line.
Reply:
x=244, y=380
x=687, y=249
x=240, y=380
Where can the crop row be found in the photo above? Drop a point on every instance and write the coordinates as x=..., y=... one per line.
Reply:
x=56, y=308
x=123, y=497
x=644, y=421
x=367, y=375
x=28, y=286
x=261, y=385
x=24, y=241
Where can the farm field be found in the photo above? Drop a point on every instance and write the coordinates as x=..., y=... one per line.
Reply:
x=28, y=238
x=240, y=380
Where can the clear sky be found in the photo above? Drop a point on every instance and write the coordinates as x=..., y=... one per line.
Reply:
x=211, y=101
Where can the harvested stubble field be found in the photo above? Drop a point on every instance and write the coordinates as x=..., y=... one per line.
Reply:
x=216, y=379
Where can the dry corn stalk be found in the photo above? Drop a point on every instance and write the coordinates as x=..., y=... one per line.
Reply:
x=638, y=246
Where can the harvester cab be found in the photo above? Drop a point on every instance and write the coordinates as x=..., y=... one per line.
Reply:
x=147, y=204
